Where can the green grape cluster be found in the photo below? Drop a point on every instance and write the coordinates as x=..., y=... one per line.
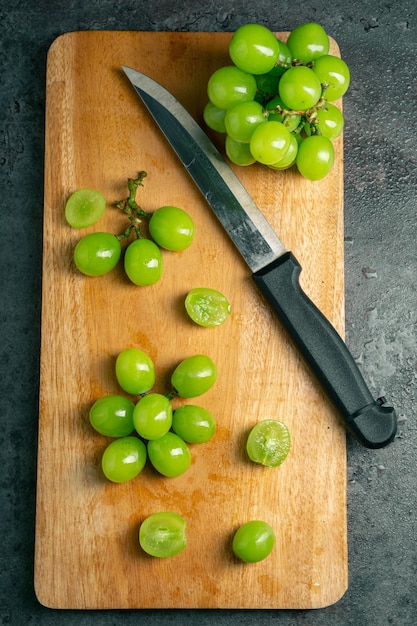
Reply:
x=170, y=228
x=151, y=428
x=274, y=102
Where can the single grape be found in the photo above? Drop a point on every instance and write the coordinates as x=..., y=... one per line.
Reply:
x=193, y=424
x=274, y=106
x=254, y=48
x=97, y=254
x=172, y=228
x=229, y=85
x=112, y=416
x=214, y=117
x=330, y=120
x=207, y=307
x=169, y=455
x=268, y=443
x=300, y=88
x=315, y=157
x=242, y=119
x=253, y=541
x=84, y=207
x=194, y=376
x=163, y=534
x=334, y=73
x=152, y=416
x=123, y=459
x=238, y=152
x=308, y=42
x=290, y=156
x=269, y=142
x=284, y=60
x=143, y=262
x=135, y=371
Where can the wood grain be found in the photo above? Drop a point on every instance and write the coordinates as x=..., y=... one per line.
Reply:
x=87, y=554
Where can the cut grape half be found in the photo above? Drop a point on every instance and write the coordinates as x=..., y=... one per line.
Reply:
x=268, y=443
x=84, y=208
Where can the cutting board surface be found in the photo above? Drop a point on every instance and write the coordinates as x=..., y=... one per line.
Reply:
x=87, y=554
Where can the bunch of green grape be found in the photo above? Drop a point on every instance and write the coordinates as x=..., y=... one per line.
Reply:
x=151, y=428
x=171, y=228
x=275, y=101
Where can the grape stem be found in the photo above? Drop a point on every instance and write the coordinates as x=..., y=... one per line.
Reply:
x=131, y=208
x=308, y=121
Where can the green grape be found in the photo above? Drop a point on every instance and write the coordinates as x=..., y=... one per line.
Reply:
x=172, y=228
x=123, y=459
x=229, y=85
x=330, y=120
x=143, y=262
x=135, y=371
x=84, y=208
x=193, y=424
x=290, y=156
x=242, y=119
x=300, y=88
x=253, y=541
x=97, y=254
x=163, y=534
x=169, y=455
x=308, y=42
x=269, y=142
x=284, y=60
x=194, y=376
x=152, y=416
x=334, y=73
x=315, y=157
x=268, y=443
x=254, y=48
x=214, y=117
x=266, y=87
x=290, y=122
x=238, y=152
x=112, y=416
x=207, y=307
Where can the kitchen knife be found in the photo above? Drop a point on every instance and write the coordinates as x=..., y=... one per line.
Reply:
x=274, y=269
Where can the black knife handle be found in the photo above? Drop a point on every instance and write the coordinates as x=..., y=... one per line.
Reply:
x=371, y=423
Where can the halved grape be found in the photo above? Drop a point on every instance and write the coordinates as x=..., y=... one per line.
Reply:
x=207, y=307
x=84, y=207
x=163, y=534
x=268, y=443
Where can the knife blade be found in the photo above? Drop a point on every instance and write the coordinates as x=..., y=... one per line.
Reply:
x=274, y=269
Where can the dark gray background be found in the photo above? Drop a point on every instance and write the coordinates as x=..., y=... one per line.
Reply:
x=379, y=42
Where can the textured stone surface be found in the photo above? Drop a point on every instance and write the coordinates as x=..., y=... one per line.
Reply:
x=379, y=42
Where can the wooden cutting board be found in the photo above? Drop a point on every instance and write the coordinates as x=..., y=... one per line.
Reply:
x=87, y=554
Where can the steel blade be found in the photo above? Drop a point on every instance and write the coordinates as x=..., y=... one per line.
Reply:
x=235, y=208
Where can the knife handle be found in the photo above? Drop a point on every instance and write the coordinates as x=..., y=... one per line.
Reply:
x=371, y=423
